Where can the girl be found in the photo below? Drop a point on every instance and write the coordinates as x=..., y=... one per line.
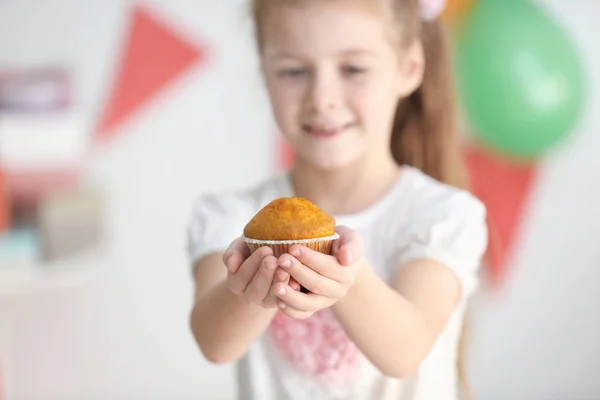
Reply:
x=362, y=91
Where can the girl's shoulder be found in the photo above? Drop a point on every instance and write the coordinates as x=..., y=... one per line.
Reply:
x=445, y=224
x=428, y=197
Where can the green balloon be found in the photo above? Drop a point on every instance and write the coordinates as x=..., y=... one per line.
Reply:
x=520, y=78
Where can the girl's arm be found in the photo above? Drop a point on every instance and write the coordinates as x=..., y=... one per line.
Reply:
x=224, y=324
x=397, y=323
x=396, y=327
x=394, y=324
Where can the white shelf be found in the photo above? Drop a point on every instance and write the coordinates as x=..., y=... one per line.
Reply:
x=24, y=278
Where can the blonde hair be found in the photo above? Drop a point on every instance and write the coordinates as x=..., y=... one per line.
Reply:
x=425, y=132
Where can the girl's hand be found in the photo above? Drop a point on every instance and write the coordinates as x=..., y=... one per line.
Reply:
x=252, y=276
x=327, y=277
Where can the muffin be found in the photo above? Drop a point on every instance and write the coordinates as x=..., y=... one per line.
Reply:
x=287, y=221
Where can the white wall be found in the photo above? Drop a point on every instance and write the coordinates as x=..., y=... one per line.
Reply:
x=123, y=334
x=538, y=338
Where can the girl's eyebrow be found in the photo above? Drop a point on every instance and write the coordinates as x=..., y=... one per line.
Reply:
x=357, y=52
x=344, y=53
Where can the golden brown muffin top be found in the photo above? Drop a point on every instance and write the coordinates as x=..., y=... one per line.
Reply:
x=290, y=218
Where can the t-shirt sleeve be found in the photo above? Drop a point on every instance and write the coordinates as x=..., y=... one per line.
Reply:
x=454, y=233
x=216, y=220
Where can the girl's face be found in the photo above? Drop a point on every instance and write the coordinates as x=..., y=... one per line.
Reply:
x=334, y=76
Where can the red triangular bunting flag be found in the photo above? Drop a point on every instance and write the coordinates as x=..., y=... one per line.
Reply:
x=153, y=55
x=5, y=217
x=504, y=187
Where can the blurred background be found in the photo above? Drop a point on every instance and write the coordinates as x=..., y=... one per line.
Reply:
x=115, y=115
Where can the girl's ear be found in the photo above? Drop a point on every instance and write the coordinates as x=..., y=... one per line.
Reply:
x=412, y=69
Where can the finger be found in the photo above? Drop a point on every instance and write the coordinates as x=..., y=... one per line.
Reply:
x=308, y=277
x=321, y=264
x=293, y=313
x=335, y=247
x=259, y=287
x=300, y=301
x=284, y=279
x=239, y=246
x=350, y=246
x=294, y=284
x=281, y=275
x=235, y=255
x=234, y=262
x=238, y=281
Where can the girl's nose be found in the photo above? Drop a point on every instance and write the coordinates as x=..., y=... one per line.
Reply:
x=325, y=93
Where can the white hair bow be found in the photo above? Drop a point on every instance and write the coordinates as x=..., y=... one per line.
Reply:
x=431, y=9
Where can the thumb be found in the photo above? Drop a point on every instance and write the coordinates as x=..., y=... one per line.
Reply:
x=350, y=246
x=235, y=255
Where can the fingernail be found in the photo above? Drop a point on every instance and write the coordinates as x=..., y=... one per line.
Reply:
x=270, y=266
x=281, y=305
x=281, y=291
x=295, y=252
x=286, y=263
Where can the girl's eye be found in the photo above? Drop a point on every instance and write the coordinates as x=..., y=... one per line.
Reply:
x=293, y=72
x=352, y=70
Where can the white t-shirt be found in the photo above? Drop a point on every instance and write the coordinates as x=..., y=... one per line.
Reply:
x=313, y=358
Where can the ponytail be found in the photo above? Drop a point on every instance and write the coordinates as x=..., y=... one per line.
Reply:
x=425, y=132
x=426, y=135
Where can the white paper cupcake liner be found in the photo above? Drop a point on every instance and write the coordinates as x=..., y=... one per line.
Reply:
x=279, y=247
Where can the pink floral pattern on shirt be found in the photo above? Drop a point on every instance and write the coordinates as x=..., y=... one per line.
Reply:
x=317, y=346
